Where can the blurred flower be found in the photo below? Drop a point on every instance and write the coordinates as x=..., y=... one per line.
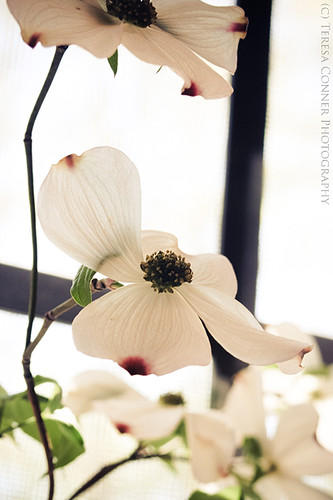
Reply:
x=212, y=442
x=165, y=33
x=292, y=452
x=210, y=436
x=89, y=206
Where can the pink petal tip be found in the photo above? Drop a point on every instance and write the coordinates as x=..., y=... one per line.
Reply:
x=192, y=91
x=238, y=27
x=135, y=366
x=33, y=40
x=122, y=428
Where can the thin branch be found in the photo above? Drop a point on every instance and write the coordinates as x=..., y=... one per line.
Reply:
x=28, y=151
x=33, y=397
x=34, y=270
x=49, y=317
x=139, y=454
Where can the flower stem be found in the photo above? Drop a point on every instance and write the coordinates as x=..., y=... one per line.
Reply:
x=28, y=151
x=34, y=270
x=33, y=398
x=139, y=454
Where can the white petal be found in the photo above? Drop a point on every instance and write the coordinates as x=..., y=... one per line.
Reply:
x=244, y=406
x=277, y=487
x=295, y=448
x=89, y=206
x=215, y=271
x=313, y=360
x=153, y=241
x=94, y=385
x=158, y=47
x=134, y=321
x=143, y=419
x=66, y=22
x=212, y=443
x=236, y=329
x=212, y=32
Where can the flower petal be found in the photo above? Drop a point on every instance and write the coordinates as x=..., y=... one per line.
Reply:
x=236, y=329
x=153, y=241
x=66, y=22
x=94, y=385
x=143, y=419
x=276, y=486
x=89, y=206
x=212, y=443
x=135, y=321
x=244, y=406
x=158, y=47
x=215, y=271
x=295, y=448
x=314, y=360
x=212, y=32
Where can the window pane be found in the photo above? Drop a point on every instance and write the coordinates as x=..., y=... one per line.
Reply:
x=296, y=239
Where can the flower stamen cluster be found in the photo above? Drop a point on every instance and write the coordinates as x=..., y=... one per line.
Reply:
x=141, y=13
x=172, y=399
x=166, y=270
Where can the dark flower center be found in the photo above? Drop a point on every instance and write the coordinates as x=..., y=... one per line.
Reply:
x=166, y=270
x=172, y=399
x=141, y=13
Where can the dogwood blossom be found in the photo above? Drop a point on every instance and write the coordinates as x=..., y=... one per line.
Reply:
x=209, y=434
x=90, y=207
x=165, y=33
x=291, y=453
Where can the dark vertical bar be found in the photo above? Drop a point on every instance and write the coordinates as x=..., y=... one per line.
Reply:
x=241, y=211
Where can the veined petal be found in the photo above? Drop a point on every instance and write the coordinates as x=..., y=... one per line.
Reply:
x=276, y=486
x=212, y=443
x=136, y=322
x=212, y=32
x=236, y=329
x=295, y=448
x=244, y=406
x=96, y=385
x=89, y=206
x=215, y=271
x=66, y=22
x=153, y=241
x=158, y=47
x=313, y=360
x=143, y=419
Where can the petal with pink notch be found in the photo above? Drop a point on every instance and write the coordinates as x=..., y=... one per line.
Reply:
x=90, y=207
x=135, y=326
x=67, y=22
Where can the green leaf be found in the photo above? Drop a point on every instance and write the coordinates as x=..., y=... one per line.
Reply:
x=113, y=61
x=232, y=493
x=81, y=291
x=53, y=403
x=16, y=410
x=66, y=441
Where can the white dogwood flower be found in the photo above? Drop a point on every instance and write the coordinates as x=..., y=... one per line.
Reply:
x=291, y=453
x=163, y=32
x=90, y=207
x=209, y=434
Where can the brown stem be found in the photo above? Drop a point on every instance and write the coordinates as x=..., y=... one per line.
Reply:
x=33, y=398
x=139, y=454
